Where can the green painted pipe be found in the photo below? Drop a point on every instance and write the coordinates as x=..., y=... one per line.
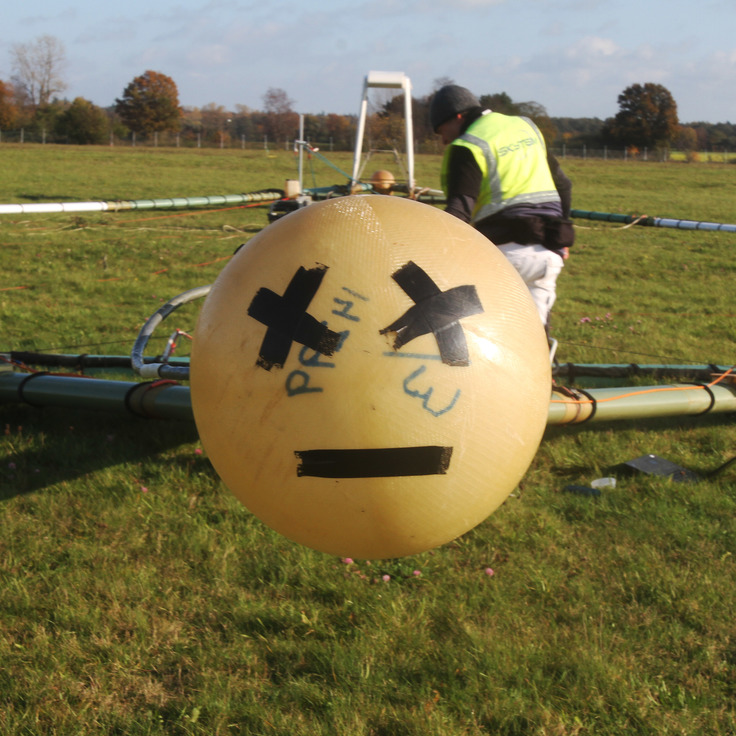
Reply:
x=654, y=221
x=169, y=400
x=156, y=399
x=611, y=374
x=702, y=372
x=217, y=200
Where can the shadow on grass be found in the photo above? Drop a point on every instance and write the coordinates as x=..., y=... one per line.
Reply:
x=44, y=197
x=44, y=447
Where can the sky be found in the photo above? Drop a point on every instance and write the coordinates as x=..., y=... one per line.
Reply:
x=573, y=57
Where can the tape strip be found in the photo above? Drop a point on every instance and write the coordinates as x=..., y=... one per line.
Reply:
x=287, y=319
x=383, y=462
x=434, y=311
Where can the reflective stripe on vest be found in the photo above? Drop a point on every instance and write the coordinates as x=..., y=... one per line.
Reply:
x=512, y=157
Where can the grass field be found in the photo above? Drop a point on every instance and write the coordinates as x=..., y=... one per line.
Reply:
x=137, y=596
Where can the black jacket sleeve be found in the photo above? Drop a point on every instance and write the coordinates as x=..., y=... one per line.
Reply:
x=463, y=183
x=562, y=183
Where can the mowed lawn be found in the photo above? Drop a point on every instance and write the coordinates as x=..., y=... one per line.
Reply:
x=138, y=596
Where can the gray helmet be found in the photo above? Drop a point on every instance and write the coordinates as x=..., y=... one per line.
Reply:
x=448, y=101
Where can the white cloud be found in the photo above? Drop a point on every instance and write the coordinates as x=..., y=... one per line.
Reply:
x=592, y=46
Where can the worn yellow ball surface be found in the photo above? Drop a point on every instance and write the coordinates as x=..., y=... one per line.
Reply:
x=369, y=376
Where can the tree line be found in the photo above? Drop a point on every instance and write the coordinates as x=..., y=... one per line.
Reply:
x=149, y=107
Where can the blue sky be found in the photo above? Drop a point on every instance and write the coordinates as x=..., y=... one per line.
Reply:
x=574, y=57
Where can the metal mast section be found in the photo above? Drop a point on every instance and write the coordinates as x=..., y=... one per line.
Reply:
x=386, y=80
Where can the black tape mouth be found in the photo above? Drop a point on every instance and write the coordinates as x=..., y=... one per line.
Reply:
x=385, y=462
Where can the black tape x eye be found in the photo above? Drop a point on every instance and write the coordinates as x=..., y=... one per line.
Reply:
x=434, y=311
x=287, y=319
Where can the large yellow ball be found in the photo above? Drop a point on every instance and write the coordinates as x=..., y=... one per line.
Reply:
x=369, y=376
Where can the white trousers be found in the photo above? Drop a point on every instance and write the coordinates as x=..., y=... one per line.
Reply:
x=539, y=268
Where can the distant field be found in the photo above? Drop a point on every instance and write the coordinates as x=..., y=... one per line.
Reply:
x=137, y=596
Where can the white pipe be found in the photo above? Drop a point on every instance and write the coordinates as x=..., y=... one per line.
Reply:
x=141, y=204
x=52, y=207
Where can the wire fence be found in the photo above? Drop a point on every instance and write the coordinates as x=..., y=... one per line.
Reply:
x=156, y=140
x=224, y=140
x=645, y=154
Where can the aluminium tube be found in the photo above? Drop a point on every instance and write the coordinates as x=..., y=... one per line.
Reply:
x=641, y=402
x=163, y=370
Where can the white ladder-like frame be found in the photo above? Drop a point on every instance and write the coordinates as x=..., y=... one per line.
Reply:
x=386, y=80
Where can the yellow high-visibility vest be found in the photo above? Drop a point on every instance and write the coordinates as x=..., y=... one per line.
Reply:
x=512, y=157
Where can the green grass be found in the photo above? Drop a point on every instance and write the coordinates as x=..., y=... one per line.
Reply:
x=137, y=596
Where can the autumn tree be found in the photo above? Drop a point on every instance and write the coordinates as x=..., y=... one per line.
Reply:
x=83, y=122
x=8, y=109
x=647, y=116
x=215, y=120
x=502, y=102
x=392, y=120
x=281, y=121
x=686, y=138
x=499, y=102
x=150, y=104
x=37, y=70
x=341, y=129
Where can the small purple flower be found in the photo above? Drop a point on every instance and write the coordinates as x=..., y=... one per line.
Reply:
x=198, y=451
x=347, y=560
x=144, y=489
x=417, y=573
x=386, y=578
x=489, y=571
x=583, y=320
